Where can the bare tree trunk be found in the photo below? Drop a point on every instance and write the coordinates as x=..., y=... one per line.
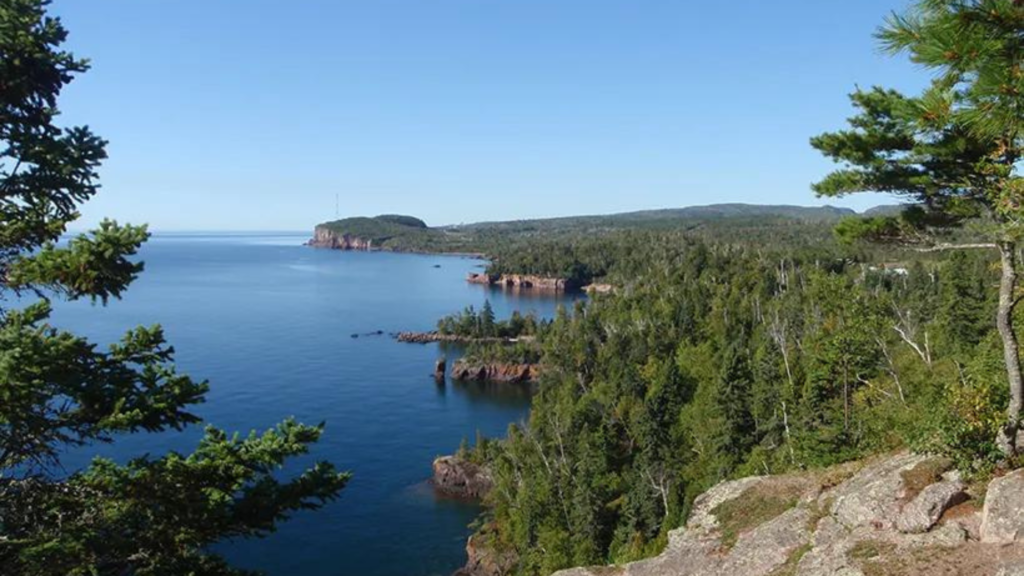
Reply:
x=1011, y=356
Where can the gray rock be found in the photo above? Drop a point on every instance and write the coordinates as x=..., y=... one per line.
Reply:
x=828, y=531
x=873, y=496
x=829, y=559
x=857, y=514
x=1002, y=519
x=767, y=547
x=921, y=513
x=1011, y=569
x=946, y=536
x=701, y=518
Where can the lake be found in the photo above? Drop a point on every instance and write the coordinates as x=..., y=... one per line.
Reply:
x=270, y=322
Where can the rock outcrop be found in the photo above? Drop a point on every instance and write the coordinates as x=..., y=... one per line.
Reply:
x=483, y=560
x=523, y=282
x=466, y=370
x=900, y=515
x=457, y=477
x=923, y=512
x=324, y=237
x=434, y=336
x=598, y=288
x=1003, y=518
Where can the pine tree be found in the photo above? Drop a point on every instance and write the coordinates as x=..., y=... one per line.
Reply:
x=487, y=320
x=954, y=150
x=153, y=515
x=962, y=314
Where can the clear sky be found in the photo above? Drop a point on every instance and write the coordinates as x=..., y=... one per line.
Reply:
x=254, y=114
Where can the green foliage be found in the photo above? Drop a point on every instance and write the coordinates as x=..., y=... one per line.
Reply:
x=614, y=248
x=58, y=390
x=471, y=324
x=954, y=151
x=522, y=352
x=725, y=361
x=396, y=232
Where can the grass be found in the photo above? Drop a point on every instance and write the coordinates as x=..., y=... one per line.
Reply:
x=871, y=550
x=755, y=506
x=789, y=568
x=923, y=475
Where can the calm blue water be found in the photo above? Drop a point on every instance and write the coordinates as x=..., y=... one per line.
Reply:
x=269, y=323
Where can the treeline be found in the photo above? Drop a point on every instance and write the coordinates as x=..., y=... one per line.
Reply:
x=472, y=324
x=522, y=352
x=619, y=257
x=724, y=360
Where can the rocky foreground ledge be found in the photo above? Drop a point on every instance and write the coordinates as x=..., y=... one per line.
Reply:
x=900, y=515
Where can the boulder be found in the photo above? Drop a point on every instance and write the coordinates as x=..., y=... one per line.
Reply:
x=1002, y=519
x=439, y=369
x=874, y=496
x=921, y=513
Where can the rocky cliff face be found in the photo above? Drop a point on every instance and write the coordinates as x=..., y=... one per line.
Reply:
x=495, y=372
x=900, y=515
x=523, y=282
x=324, y=237
x=457, y=477
x=484, y=560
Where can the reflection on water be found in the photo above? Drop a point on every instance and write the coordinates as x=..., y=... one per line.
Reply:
x=498, y=393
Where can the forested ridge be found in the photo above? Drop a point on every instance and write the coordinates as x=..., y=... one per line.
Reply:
x=726, y=354
x=725, y=360
x=576, y=248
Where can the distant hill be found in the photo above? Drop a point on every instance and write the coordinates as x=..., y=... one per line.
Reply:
x=655, y=218
x=408, y=233
x=378, y=228
x=886, y=210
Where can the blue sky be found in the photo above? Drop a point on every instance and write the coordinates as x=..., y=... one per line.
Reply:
x=254, y=114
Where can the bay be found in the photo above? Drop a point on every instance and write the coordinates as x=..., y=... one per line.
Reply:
x=270, y=322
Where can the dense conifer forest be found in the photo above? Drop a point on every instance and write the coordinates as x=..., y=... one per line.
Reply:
x=724, y=359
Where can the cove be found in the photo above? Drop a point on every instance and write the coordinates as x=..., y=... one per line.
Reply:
x=270, y=322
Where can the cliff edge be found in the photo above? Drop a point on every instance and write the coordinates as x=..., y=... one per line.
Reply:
x=899, y=515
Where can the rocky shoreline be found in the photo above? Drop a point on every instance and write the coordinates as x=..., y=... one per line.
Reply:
x=523, y=282
x=435, y=336
x=456, y=477
x=459, y=478
x=483, y=560
x=326, y=238
x=504, y=372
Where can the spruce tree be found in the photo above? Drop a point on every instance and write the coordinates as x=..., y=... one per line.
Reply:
x=153, y=515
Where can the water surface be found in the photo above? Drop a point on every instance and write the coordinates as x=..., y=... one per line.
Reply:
x=269, y=322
